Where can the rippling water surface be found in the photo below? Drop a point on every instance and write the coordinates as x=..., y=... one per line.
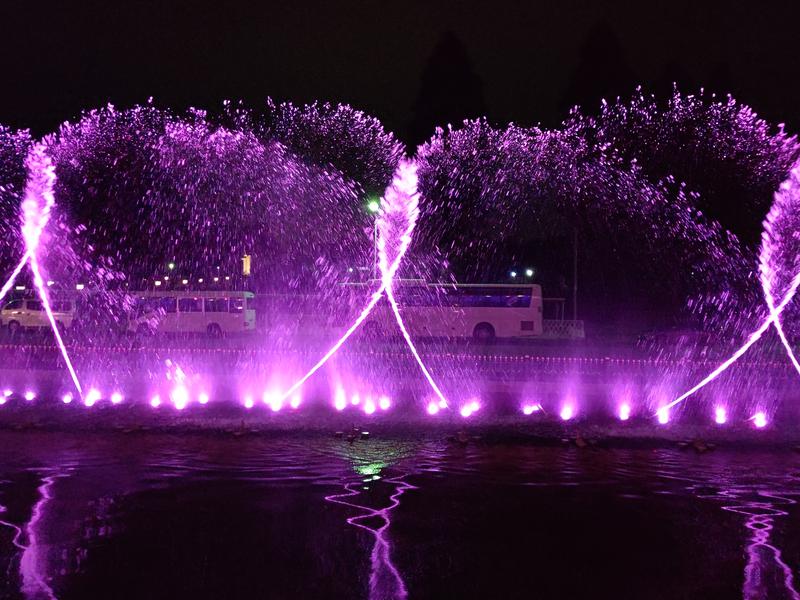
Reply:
x=178, y=516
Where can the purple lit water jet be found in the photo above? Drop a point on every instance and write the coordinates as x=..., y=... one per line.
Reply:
x=385, y=580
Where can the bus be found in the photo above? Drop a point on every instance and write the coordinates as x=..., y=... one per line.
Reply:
x=28, y=313
x=482, y=312
x=212, y=312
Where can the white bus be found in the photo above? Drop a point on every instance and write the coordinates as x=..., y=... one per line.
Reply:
x=211, y=312
x=29, y=313
x=479, y=311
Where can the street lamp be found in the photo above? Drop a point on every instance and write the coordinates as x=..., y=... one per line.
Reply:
x=373, y=206
x=528, y=273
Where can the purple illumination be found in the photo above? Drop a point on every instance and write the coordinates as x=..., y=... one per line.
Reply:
x=3, y=400
x=720, y=415
x=663, y=415
x=778, y=226
x=36, y=207
x=529, y=409
x=355, y=400
x=92, y=397
x=66, y=398
x=155, y=401
x=385, y=580
x=384, y=403
x=567, y=412
x=624, y=411
x=340, y=400
x=760, y=420
x=248, y=402
x=7, y=393
x=180, y=397
x=369, y=406
x=202, y=398
x=116, y=398
x=295, y=401
x=433, y=408
x=471, y=407
x=29, y=396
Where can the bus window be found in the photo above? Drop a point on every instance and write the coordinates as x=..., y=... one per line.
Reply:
x=190, y=305
x=237, y=305
x=216, y=305
x=147, y=305
x=169, y=305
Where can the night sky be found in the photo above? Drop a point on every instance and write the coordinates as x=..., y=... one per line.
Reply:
x=527, y=60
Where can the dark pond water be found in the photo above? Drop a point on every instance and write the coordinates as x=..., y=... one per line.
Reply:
x=163, y=516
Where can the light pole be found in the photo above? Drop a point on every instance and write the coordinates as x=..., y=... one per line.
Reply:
x=373, y=206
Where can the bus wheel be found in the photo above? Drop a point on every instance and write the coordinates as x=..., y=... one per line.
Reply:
x=483, y=333
x=214, y=330
x=14, y=328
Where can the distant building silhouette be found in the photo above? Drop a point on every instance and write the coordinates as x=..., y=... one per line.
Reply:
x=450, y=90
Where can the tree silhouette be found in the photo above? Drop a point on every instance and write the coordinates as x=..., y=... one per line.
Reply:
x=602, y=71
x=450, y=90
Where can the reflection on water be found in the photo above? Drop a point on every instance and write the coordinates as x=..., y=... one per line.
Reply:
x=157, y=516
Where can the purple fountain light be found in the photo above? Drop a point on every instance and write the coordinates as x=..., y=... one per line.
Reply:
x=37, y=205
x=779, y=269
x=385, y=580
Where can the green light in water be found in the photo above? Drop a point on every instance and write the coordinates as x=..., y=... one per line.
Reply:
x=370, y=469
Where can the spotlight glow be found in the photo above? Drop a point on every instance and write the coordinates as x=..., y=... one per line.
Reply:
x=369, y=406
x=7, y=393
x=155, y=401
x=294, y=403
x=567, y=412
x=433, y=408
x=663, y=415
x=202, y=398
x=92, y=397
x=355, y=400
x=2, y=400
x=529, y=409
x=760, y=420
x=384, y=403
x=248, y=402
x=466, y=411
x=720, y=415
x=624, y=411
x=442, y=404
x=116, y=398
x=30, y=396
x=180, y=397
x=340, y=400
x=66, y=398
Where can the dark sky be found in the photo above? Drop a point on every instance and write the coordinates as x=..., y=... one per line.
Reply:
x=57, y=58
